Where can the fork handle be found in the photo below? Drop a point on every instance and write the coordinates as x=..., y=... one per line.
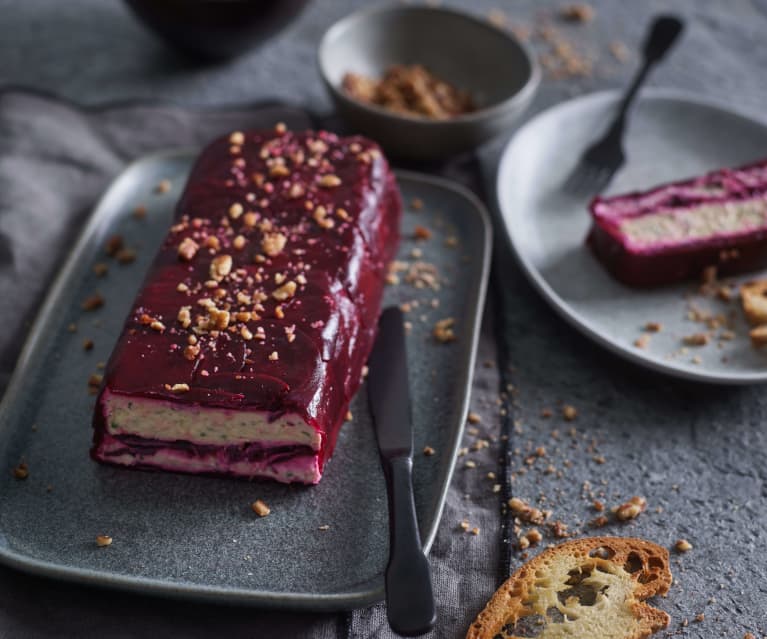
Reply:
x=663, y=33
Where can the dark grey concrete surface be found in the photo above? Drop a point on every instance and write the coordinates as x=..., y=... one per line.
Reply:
x=696, y=452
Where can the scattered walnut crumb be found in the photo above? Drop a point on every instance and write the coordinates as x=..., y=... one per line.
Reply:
x=631, y=509
x=696, y=339
x=700, y=617
x=443, y=330
x=475, y=531
x=619, y=51
x=682, y=545
x=329, y=181
x=525, y=511
x=534, y=536
x=599, y=522
x=473, y=418
x=643, y=341
x=274, y=356
x=187, y=249
x=114, y=244
x=103, y=540
x=523, y=542
x=546, y=413
x=428, y=451
x=88, y=344
x=260, y=508
x=599, y=459
x=93, y=302
x=580, y=12
x=126, y=256
x=179, y=388
x=464, y=525
x=569, y=412
x=653, y=327
x=100, y=269
x=421, y=233
x=598, y=505
x=72, y=328
x=324, y=527
x=416, y=204
x=94, y=381
x=163, y=186
x=21, y=470
x=139, y=212
x=559, y=529
x=470, y=463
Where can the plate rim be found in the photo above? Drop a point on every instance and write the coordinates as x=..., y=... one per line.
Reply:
x=561, y=306
x=319, y=602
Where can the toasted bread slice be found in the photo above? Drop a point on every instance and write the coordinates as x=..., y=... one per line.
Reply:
x=593, y=587
x=753, y=296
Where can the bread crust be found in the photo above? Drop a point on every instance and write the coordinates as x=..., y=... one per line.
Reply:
x=642, y=564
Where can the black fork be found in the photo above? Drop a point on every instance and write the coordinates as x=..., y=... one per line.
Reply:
x=600, y=161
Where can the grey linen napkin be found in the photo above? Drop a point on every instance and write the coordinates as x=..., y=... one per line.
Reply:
x=55, y=160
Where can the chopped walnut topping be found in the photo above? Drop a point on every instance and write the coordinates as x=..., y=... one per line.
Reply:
x=569, y=412
x=280, y=128
x=191, y=351
x=100, y=269
x=235, y=210
x=239, y=242
x=525, y=512
x=329, y=181
x=274, y=356
x=260, y=508
x=443, y=330
x=428, y=451
x=320, y=216
x=534, y=536
x=342, y=213
x=598, y=505
x=421, y=233
x=113, y=245
x=523, y=543
x=93, y=302
x=220, y=267
x=187, y=249
x=163, y=186
x=324, y=528
x=273, y=243
x=237, y=137
x=184, y=316
x=285, y=292
x=696, y=339
x=126, y=256
x=473, y=418
x=179, y=388
x=580, y=12
x=682, y=545
x=250, y=219
x=21, y=470
x=157, y=325
x=102, y=541
x=246, y=334
x=212, y=242
x=631, y=509
x=279, y=170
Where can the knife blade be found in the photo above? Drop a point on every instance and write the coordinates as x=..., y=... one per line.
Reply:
x=410, y=605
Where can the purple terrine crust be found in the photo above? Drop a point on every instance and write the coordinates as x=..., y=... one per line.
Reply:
x=663, y=262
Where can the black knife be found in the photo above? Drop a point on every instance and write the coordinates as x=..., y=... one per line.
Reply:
x=409, y=598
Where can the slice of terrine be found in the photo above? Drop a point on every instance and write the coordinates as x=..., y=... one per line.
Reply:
x=673, y=232
x=248, y=339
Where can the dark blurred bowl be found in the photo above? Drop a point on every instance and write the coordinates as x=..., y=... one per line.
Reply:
x=216, y=30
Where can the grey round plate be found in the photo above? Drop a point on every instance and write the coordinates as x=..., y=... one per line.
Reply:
x=670, y=136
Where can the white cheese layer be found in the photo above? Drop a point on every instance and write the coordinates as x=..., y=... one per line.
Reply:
x=158, y=419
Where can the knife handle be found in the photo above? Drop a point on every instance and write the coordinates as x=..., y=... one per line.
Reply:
x=409, y=597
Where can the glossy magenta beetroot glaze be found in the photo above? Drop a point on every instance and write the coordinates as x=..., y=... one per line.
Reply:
x=264, y=298
x=672, y=232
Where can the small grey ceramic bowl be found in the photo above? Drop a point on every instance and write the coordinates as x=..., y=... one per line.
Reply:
x=499, y=72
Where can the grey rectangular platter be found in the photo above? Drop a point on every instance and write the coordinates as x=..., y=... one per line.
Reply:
x=197, y=537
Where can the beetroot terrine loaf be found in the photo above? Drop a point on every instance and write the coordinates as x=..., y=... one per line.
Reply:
x=249, y=336
x=673, y=232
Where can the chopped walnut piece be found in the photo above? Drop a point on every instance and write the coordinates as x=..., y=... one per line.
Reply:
x=260, y=508
x=100, y=269
x=126, y=256
x=475, y=531
x=102, y=541
x=525, y=512
x=523, y=543
x=273, y=243
x=113, y=245
x=580, y=12
x=246, y=334
x=239, y=242
x=187, y=249
x=696, y=339
x=235, y=210
x=534, y=536
x=416, y=204
x=443, y=330
x=320, y=216
x=21, y=470
x=139, y=212
x=600, y=522
x=631, y=509
x=324, y=528
x=179, y=388
x=619, y=51
x=682, y=545
x=250, y=219
x=653, y=327
x=163, y=186
x=184, y=316
x=598, y=505
x=285, y=292
x=643, y=341
x=95, y=380
x=559, y=529
x=274, y=356
x=191, y=351
x=428, y=451
x=569, y=412
x=421, y=233
x=93, y=302
x=157, y=325
x=220, y=267
x=279, y=170
x=237, y=137
x=88, y=345
x=473, y=418
x=329, y=181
